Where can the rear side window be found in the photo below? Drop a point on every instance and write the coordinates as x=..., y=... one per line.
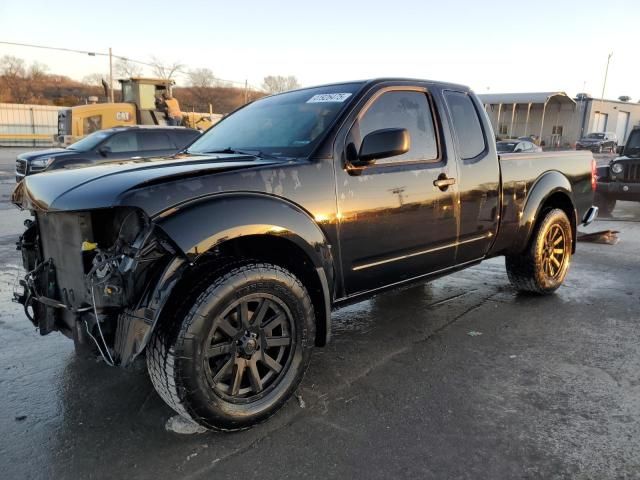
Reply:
x=183, y=138
x=156, y=141
x=123, y=142
x=401, y=109
x=466, y=124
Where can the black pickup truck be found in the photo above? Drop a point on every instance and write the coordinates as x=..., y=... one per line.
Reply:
x=224, y=262
x=620, y=179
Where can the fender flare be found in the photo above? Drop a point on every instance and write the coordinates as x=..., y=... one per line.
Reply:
x=548, y=184
x=199, y=226
x=235, y=215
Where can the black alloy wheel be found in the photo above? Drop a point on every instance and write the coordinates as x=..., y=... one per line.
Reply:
x=542, y=267
x=554, y=251
x=248, y=347
x=236, y=348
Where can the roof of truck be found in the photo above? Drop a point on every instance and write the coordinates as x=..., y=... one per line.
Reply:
x=530, y=97
x=374, y=81
x=146, y=127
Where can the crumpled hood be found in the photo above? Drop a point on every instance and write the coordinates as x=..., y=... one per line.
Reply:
x=104, y=185
x=52, y=152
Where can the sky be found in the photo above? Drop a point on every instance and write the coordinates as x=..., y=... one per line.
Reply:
x=492, y=46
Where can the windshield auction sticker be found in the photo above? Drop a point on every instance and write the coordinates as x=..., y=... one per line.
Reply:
x=329, y=97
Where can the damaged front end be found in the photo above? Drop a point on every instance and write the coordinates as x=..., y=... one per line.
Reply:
x=94, y=276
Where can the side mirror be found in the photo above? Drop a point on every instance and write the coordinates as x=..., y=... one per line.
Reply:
x=383, y=143
x=104, y=151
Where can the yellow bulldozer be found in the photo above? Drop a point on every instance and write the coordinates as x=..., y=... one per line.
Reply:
x=139, y=106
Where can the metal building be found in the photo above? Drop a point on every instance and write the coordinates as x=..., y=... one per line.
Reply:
x=554, y=119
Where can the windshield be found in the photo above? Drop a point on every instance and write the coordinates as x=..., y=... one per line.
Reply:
x=596, y=135
x=89, y=142
x=632, y=146
x=288, y=125
x=506, y=146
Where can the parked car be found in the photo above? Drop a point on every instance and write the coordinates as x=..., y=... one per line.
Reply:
x=517, y=146
x=225, y=264
x=598, y=142
x=620, y=179
x=107, y=145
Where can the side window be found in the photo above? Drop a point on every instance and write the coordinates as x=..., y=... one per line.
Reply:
x=123, y=142
x=156, y=141
x=401, y=109
x=466, y=123
x=92, y=124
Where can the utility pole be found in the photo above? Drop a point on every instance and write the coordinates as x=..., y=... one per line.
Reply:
x=246, y=92
x=604, y=84
x=110, y=76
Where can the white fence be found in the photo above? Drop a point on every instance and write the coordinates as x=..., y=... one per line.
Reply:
x=27, y=125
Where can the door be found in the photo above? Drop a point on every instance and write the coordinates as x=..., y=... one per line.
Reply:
x=479, y=174
x=622, y=127
x=394, y=223
x=155, y=144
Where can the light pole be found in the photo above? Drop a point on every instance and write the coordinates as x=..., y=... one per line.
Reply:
x=604, y=84
x=110, y=76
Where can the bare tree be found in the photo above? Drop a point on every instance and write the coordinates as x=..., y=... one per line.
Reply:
x=94, y=79
x=165, y=71
x=202, y=78
x=126, y=68
x=15, y=78
x=278, y=83
x=38, y=70
x=11, y=66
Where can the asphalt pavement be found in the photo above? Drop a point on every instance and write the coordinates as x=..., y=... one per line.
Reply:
x=460, y=378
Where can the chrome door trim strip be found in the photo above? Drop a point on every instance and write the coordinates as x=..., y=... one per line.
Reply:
x=421, y=252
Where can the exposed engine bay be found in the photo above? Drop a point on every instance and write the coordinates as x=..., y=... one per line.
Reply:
x=87, y=274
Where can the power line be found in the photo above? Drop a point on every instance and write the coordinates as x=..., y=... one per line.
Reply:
x=119, y=57
x=91, y=54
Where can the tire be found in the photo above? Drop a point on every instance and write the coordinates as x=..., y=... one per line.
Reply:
x=533, y=270
x=605, y=204
x=219, y=365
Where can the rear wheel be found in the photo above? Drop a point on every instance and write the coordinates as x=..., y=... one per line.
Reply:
x=239, y=351
x=543, y=266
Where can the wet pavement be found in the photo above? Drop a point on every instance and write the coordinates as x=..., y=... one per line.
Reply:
x=459, y=378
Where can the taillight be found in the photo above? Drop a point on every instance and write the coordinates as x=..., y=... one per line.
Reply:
x=594, y=176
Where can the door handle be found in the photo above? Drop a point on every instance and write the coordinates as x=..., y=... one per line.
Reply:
x=443, y=182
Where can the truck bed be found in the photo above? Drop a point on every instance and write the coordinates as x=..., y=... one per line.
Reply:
x=520, y=172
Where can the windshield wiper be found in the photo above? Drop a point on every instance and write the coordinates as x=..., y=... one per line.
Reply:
x=253, y=153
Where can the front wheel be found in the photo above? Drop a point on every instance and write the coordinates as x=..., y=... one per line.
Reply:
x=543, y=266
x=239, y=349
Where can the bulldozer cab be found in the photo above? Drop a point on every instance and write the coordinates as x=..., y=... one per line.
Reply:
x=143, y=93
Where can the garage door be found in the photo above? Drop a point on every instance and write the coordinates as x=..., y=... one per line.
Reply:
x=600, y=122
x=622, y=126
